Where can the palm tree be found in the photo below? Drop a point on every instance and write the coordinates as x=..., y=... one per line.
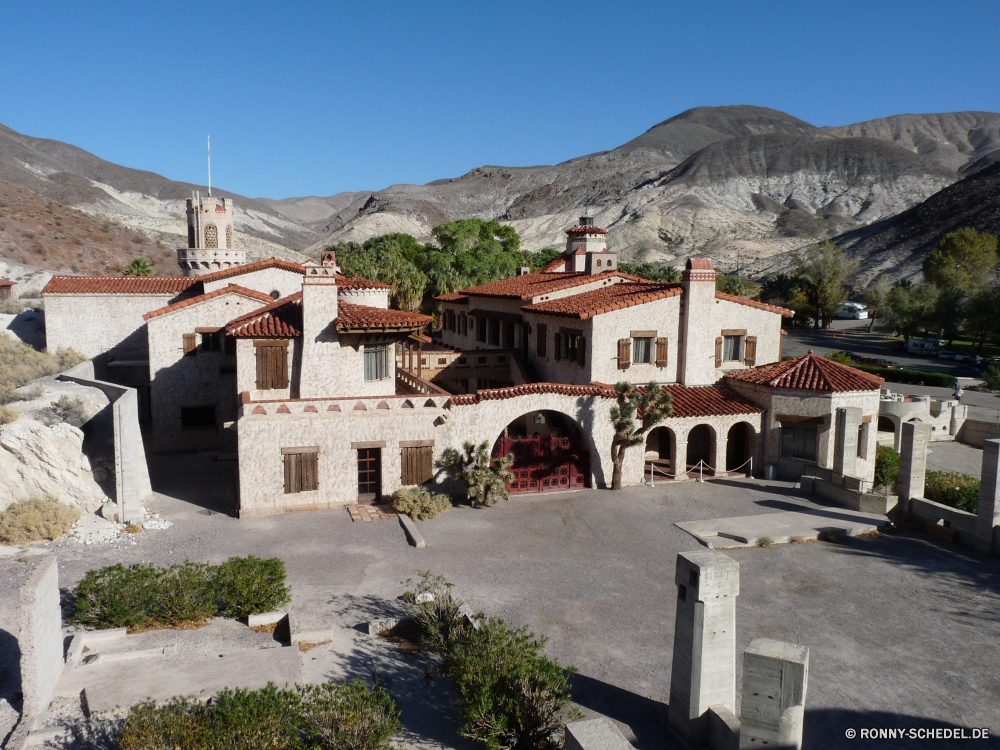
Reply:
x=138, y=266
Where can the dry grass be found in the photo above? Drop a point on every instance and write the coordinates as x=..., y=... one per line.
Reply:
x=11, y=306
x=266, y=629
x=157, y=625
x=8, y=415
x=36, y=520
x=133, y=529
x=405, y=636
x=20, y=364
x=307, y=646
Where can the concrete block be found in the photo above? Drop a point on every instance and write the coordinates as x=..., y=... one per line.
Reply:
x=845, y=452
x=595, y=734
x=265, y=618
x=914, y=437
x=89, y=638
x=988, y=518
x=704, y=658
x=146, y=653
x=39, y=620
x=377, y=626
x=775, y=678
x=806, y=485
x=412, y=534
x=723, y=729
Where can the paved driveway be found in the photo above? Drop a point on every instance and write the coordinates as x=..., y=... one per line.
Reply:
x=903, y=628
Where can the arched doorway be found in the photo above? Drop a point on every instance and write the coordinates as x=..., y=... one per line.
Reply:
x=659, y=449
x=549, y=450
x=700, y=443
x=740, y=443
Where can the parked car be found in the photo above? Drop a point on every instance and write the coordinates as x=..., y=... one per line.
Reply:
x=946, y=354
x=961, y=357
x=853, y=311
x=968, y=371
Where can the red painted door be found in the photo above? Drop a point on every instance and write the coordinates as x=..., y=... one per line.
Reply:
x=546, y=464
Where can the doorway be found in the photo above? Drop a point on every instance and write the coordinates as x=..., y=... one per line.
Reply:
x=369, y=475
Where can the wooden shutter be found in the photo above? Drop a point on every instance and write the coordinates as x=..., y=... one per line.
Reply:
x=581, y=351
x=624, y=354
x=417, y=464
x=190, y=343
x=301, y=469
x=557, y=346
x=540, y=341
x=272, y=364
x=661, y=352
x=750, y=351
x=718, y=351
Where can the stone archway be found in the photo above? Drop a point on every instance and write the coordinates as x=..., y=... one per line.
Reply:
x=660, y=446
x=550, y=453
x=741, y=443
x=700, y=445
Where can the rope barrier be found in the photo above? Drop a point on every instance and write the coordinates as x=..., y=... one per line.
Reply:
x=701, y=463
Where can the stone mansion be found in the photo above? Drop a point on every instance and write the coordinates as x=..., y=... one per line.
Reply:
x=327, y=396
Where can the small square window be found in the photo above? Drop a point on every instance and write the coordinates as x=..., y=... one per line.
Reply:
x=731, y=348
x=641, y=350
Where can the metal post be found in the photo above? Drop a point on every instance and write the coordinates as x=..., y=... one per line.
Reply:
x=750, y=470
x=701, y=477
x=651, y=484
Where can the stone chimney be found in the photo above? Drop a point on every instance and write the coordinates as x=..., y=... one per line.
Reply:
x=581, y=240
x=698, y=330
x=320, y=343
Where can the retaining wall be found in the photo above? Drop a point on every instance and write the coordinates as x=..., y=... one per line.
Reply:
x=39, y=622
x=975, y=432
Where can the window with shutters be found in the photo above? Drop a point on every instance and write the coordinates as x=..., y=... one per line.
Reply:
x=541, y=332
x=417, y=461
x=642, y=349
x=557, y=346
x=190, y=343
x=507, y=339
x=750, y=351
x=731, y=348
x=376, y=361
x=661, y=352
x=624, y=354
x=211, y=339
x=193, y=417
x=301, y=469
x=463, y=324
x=272, y=364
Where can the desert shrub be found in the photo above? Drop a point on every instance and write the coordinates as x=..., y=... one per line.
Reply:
x=510, y=694
x=11, y=306
x=117, y=596
x=66, y=409
x=349, y=716
x=420, y=504
x=185, y=593
x=913, y=377
x=36, y=520
x=959, y=491
x=886, y=465
x=324, y=717
x=8, y=415
x=436, y=612
x=31, y=392
x=20, y=364
x=483, y=478
x=991, y=378
x=68, y=357
x=251, y=584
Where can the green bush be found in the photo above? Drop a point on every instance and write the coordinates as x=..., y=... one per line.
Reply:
x=886, y=465
x=320, y=717
x=991, y=378
x=959, y=491
x=420, y=504
x=140, y=596
x=844, y=359
x=510, y=694
x=913, y=377
x=36, y=519
x=485, y=479
x=436, y=613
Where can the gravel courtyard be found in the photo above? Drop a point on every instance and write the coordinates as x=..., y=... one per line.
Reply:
x=902, y=627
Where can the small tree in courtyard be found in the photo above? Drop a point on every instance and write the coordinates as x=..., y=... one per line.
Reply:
x=485, y=483
x=651, y=403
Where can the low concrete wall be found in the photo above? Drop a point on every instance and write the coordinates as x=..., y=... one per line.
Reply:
x=132, y=485
x=975, y=432
x=39, y=621
x=595, y=734
x=865, y=502
x=932, y=512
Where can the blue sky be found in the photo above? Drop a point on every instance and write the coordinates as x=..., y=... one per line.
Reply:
x=314, y=98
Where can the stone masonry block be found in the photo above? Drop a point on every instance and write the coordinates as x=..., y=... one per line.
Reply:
x=912, y=461
x=39, y=621
x=988, y=519
x=595, y=734
x=775, y=677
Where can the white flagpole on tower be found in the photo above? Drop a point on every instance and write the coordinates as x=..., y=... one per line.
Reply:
x=209, y=166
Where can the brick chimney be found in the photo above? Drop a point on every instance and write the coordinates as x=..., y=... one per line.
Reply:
x=320, y=343
x=698, y=331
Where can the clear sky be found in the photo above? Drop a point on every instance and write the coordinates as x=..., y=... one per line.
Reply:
x=314, y=98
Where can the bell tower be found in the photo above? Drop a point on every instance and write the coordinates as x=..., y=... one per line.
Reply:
x=211, y=242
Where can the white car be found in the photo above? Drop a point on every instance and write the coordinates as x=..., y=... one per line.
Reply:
x=853, y=312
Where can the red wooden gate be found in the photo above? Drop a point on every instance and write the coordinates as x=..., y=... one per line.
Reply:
x=546, y=464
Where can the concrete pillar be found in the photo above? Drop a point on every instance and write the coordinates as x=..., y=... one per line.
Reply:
x=704, y=660
x=959, y=413
x=912, y=461
x=845, y=451
x=39, y=622
x=988, y=520
x=775, y=677
x=719, y=454
x=678, y=459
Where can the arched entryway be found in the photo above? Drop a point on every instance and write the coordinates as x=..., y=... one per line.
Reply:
x=741, y=441
x=700, y=442
x=550, y=453
x=659, y=451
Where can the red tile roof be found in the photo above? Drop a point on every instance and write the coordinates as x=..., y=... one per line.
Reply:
x=533, y=284
x=453, y=297
x=713, y=400
x=554, y=265
x=159, y=285
x=4, y=282
x=231, y=289
x=586, y=230
x=359, y=282
x=258, y=265
x=614, y=297
x=809, y=373
x=754, y=303
x=351, y=316
x=281, y=319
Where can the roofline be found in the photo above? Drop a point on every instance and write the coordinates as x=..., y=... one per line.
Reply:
x=197, y=300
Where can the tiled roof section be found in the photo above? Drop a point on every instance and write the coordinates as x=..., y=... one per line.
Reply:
x=553, y=266
x=5, y=282
x=607, y=299
x=713, y=400
x=533, y=284
x=453, y=297
x=159, y=285
x=586, y=230
x=258, y=265
x=810, y=373
x=350, y=316
x=231, y=289
x=281, y=319
x=754, y=303
x=359, y=282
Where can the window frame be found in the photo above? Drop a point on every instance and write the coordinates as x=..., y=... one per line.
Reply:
x=642, y=350
x=732, y=345
x=797, y=435
x=301, y=469
x=376, y=362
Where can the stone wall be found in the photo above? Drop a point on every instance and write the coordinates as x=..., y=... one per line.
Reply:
x=94, y=323
x=266, y=280
x=945, y=417
x=39, y=620
x=975, y=432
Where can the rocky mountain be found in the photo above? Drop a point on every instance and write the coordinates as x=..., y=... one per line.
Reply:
x=741, y=184
x=315, y=212
x=141, y=201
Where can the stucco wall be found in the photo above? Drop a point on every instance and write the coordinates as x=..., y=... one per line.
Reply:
x=266, y=280
x=93, y=323
x=246, y=370
x=197, y=379
x=662, y=316
x=368, y=297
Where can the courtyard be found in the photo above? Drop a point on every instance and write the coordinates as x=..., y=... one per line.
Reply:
x=902, y=627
